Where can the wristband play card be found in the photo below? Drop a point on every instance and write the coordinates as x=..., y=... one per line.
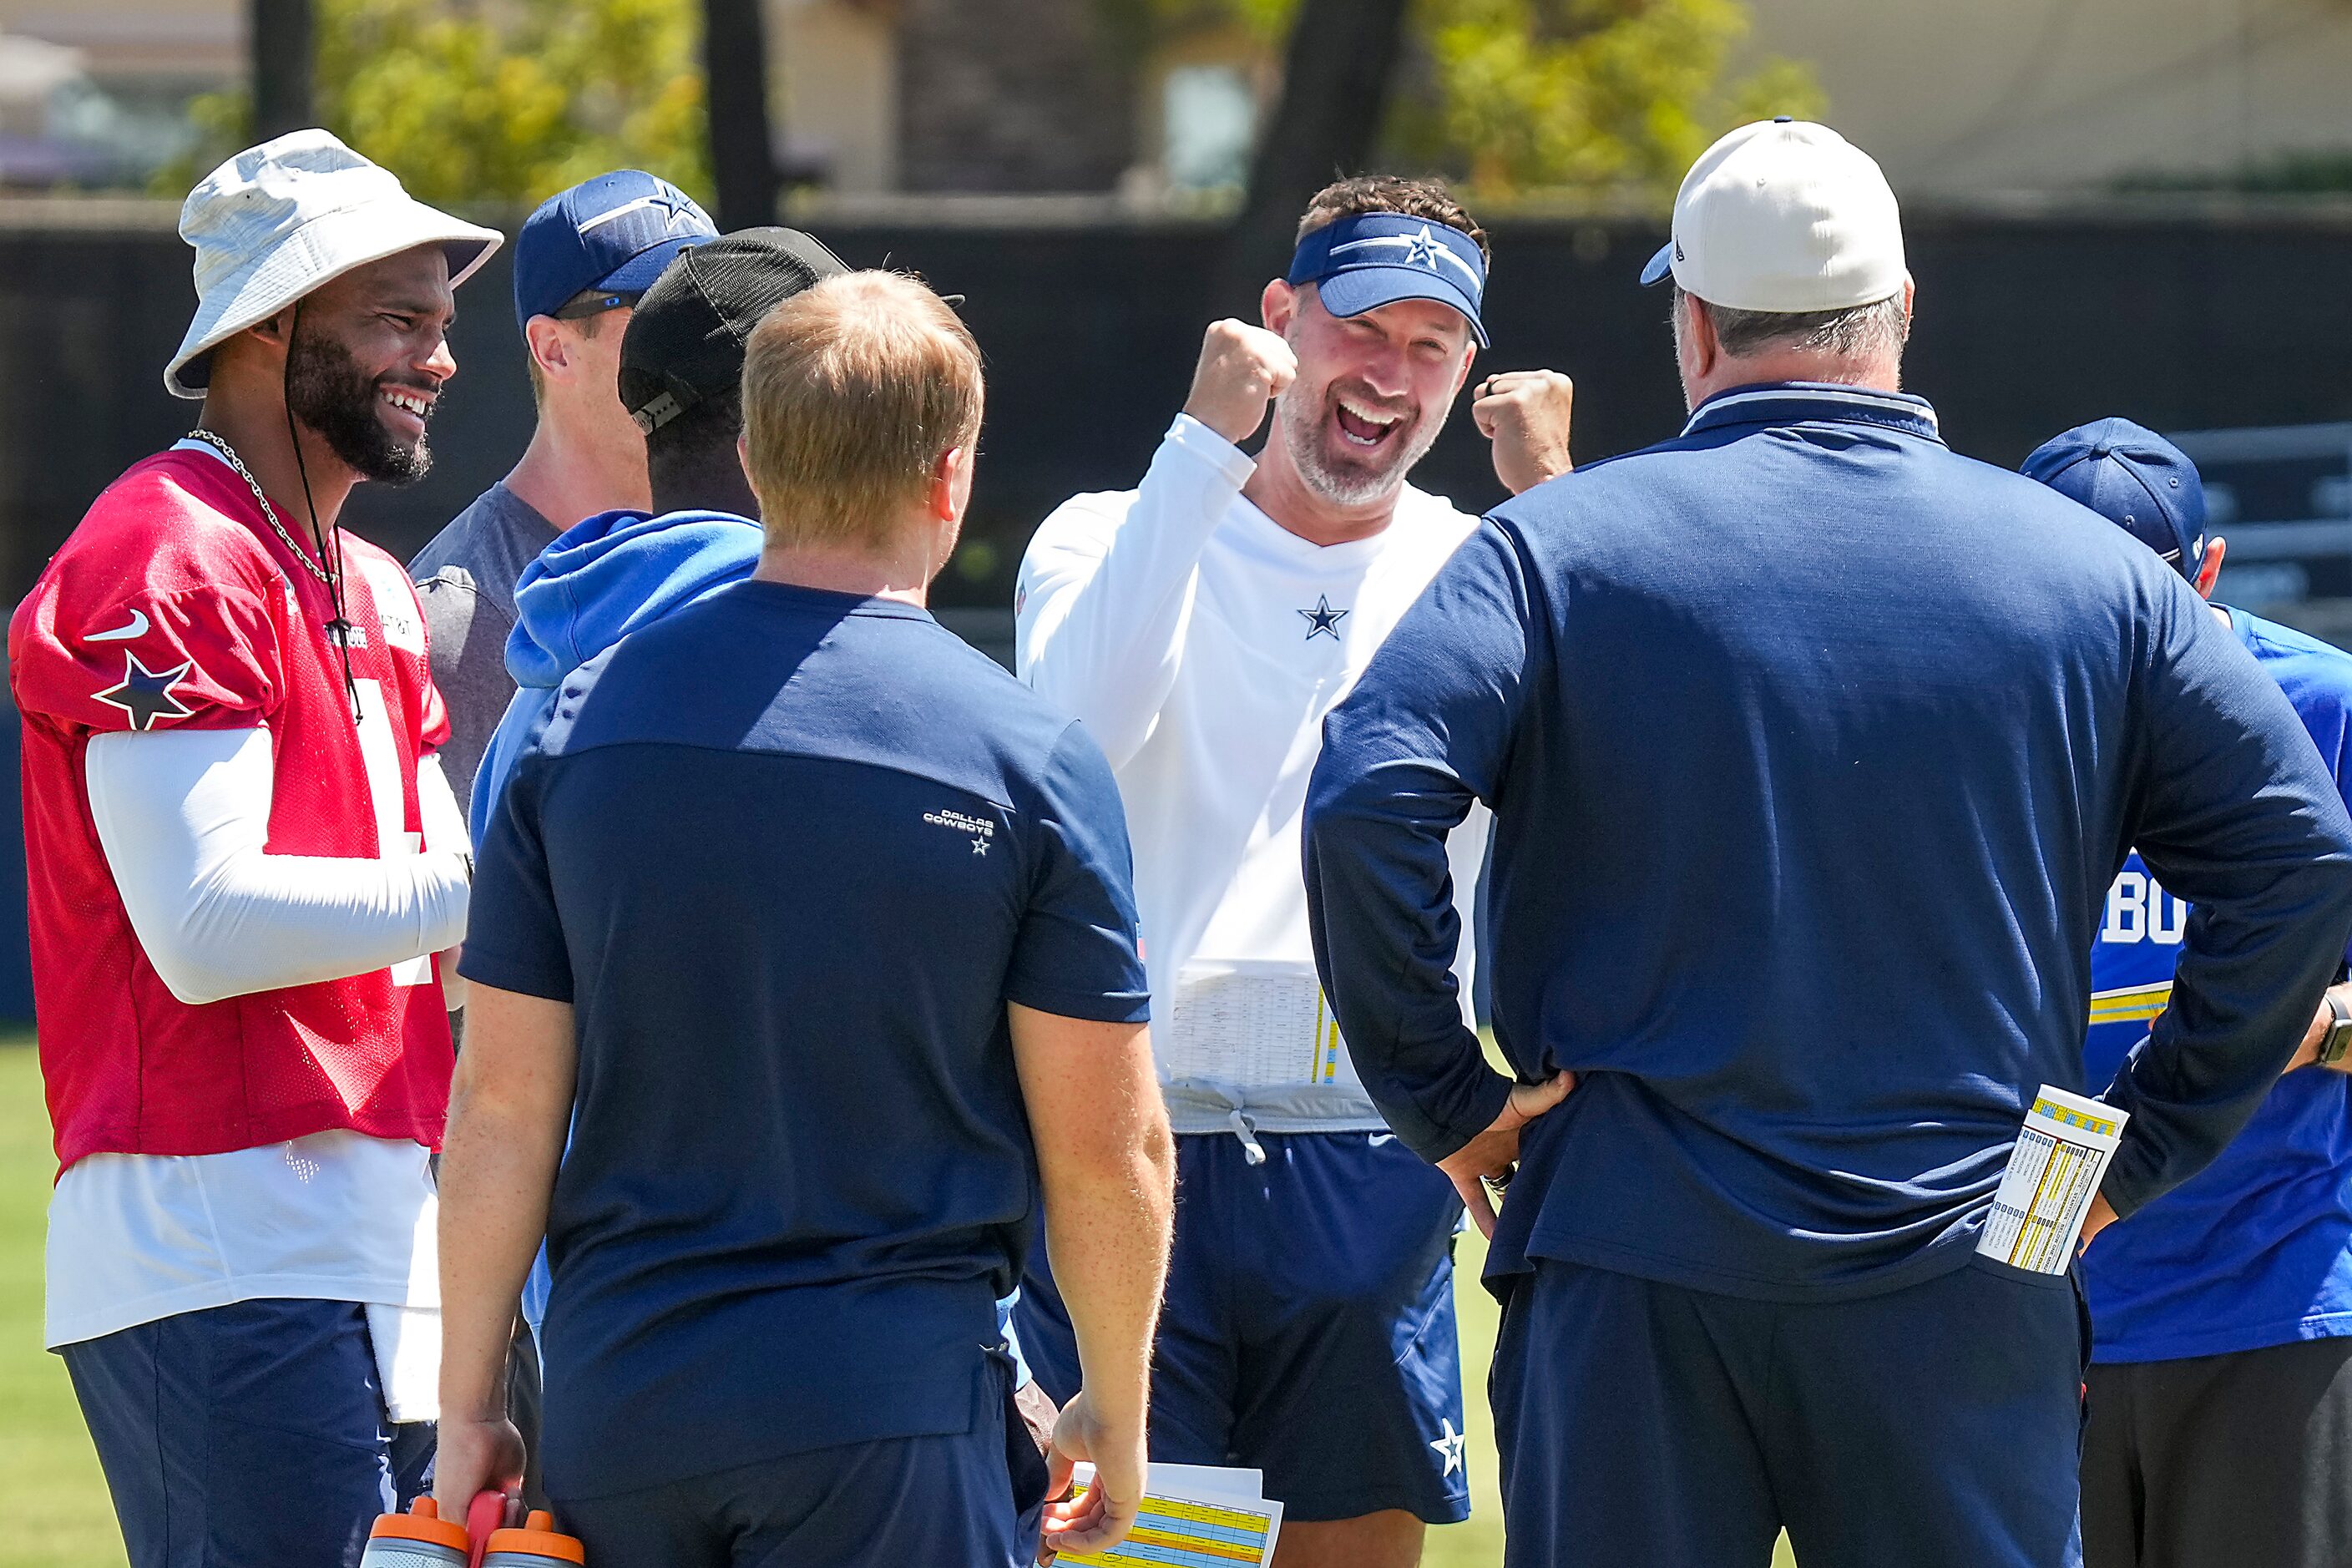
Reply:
x=2054, y=1172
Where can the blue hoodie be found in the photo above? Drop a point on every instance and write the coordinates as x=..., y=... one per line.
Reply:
x=598, y=581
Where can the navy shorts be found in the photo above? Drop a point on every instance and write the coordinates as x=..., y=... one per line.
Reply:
x=967, y=1499
x=1934, y=1427
x=251, y=1436
x=1309, y=1330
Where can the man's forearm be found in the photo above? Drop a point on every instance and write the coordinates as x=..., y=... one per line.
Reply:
x=508, y=1110
x=2230, y=1030
x=1425, y=735
x=1107, y=1233
x=1106, y=1171
x=1385, y=945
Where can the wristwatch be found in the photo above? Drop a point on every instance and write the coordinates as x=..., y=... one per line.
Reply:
x=2338, y=1041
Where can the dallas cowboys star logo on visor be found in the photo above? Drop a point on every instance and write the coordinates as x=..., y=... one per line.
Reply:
x=1323, y=620
x=146, y=694
x=1423, y=249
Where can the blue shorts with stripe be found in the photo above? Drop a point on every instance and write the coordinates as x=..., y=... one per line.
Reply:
x=1309, y=1330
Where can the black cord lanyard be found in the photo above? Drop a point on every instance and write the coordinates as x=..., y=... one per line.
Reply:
x=339, y=631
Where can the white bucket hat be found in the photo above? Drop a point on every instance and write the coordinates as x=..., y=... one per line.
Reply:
x=279, y=220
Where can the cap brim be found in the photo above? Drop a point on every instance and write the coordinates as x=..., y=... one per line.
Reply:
x=312, y=257
x=1362, y=288
x=1660, y=267
x=636, y=275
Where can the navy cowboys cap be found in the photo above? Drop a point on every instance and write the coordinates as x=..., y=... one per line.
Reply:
x=2136, y=479
x=615, y=232
x=1363, y=262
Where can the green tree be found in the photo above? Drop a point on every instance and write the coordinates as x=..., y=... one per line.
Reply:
x=1535, y=96
x=1591, y=95
x=502, y=100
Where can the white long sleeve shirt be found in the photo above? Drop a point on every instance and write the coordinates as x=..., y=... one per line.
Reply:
x=1201, y=644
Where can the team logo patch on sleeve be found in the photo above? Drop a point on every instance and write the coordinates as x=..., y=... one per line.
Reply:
x=145, y=695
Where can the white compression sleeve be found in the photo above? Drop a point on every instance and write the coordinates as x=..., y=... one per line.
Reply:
x=445, y=828
x=437, y=809
x=183, y=817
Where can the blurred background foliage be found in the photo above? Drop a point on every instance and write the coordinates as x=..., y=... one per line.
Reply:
x=504, y=102
x=510, y=101
x=1534, y=97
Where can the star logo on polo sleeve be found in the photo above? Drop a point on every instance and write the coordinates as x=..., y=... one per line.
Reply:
x=1323, y=620
x=146, y=694
x=1449, y=1447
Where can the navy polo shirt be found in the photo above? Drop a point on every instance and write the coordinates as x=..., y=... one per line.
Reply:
x=788, y=854
x=1812, y=749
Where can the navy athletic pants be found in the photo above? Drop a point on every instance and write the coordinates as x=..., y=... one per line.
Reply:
x=1934, y=1427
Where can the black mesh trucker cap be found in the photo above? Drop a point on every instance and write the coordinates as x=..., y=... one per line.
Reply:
x=686, y=340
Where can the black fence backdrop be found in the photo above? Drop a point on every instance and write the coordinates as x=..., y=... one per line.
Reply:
x=2027, y=323
x=2029, y=319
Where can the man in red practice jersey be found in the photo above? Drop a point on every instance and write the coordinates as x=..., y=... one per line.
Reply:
x=243, y=860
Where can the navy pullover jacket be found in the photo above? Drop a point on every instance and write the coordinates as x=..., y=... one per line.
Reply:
x=1812, y=749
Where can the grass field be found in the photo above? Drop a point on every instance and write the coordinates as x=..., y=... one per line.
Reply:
x=54, y=1511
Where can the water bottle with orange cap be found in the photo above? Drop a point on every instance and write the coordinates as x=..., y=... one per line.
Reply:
x=421, y=1538
x=535, y=1545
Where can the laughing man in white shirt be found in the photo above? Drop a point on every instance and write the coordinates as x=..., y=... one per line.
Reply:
x=1201, y=625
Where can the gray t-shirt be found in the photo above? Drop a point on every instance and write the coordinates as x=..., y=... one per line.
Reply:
x=466, y=579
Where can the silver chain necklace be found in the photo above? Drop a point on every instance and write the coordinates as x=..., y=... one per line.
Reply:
x=219, y=443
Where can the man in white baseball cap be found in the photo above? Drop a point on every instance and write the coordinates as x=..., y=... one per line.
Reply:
x=1736, y=701
x=244, y=860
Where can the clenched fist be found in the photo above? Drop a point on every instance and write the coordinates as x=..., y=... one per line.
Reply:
x=1242, y=368
x=1524, y=413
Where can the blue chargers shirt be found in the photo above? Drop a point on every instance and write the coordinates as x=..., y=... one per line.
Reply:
x=2256, y=1250
x=788, y=854
x=1813, y=748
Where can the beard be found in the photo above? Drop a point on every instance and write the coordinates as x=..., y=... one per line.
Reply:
x=1348, y=481
x=327, y=390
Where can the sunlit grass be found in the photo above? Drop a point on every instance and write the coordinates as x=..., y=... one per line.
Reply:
x=54, y=1510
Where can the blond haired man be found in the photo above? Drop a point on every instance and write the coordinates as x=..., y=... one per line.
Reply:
x=812, y=1025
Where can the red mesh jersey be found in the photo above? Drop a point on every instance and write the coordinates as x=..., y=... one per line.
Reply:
x=174, y=605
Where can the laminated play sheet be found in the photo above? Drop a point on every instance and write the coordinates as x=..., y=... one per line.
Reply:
x=1193, y=1516
x=2055, y=1170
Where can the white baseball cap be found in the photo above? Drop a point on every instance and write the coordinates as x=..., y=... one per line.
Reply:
x=279, y=220
x=1784, y=216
